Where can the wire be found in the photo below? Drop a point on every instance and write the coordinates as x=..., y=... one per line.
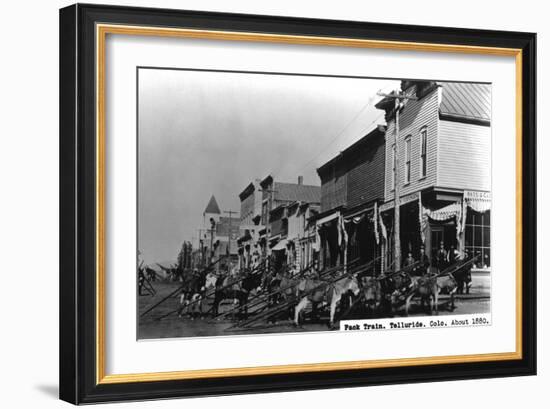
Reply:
x=339, y=134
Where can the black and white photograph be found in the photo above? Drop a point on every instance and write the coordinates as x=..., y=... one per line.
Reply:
x=284, y=203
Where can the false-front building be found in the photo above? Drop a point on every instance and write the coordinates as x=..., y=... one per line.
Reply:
x=352, y=187
x=443, y=169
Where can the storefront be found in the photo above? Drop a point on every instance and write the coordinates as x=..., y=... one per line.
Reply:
x=457, y=222
x=409, y=230
x=463, y=225
x=278, y=252
x=363, y=235
x=331, y=238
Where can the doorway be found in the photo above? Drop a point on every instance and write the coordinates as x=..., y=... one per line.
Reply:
x=445, y=233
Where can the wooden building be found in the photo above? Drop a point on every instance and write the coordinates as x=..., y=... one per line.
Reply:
x=250, y=224
x=444, y=168
x=278, y=199
x=352, y=187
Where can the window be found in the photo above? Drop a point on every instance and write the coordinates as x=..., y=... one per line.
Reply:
x=264, y=213
x=408, y=159
x=423, y=152
x=478, y=237
x=393, y=175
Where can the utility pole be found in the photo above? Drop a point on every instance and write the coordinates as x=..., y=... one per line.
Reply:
x=201, y=247
x=398, y=98
x=192, y=252
x=269, y=203
x=212, y=227
x=269, y=199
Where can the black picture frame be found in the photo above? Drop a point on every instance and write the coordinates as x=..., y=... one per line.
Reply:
x=78, y=358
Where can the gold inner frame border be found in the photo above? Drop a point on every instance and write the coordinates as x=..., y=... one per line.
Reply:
x=102, y=30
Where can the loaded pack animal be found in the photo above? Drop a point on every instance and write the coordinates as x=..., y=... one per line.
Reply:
x=151, y=274
x=395, y=288
x=448, y=284
x=271, y=282
x=427, y=289
x=281, y=289
x=371, y=293
x=450, y=281
x=463, y=277
x=191, y=295
x=314, y=291
x=237, y=289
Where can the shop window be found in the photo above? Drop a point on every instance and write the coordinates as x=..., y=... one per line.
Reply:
x=478, y=237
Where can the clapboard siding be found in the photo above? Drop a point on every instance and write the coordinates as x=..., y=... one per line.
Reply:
x=278, y=223
x=333, y=187
x=412, y=119
x=247, y=209
x=464, y=156
x=366, y=172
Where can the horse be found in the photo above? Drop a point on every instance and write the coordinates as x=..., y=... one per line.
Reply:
x=448, y=284
x=427, y=289
x=237, y=289
x=317, y=291
x=463, y=277
x=192, y=294
x=395, y=287
x=223, y=290
x=282, y=289
x=371, y=292
x=271, y=285
x=151, y=274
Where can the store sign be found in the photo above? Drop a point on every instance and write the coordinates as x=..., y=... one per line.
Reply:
x=476, y=195
x=404, y=200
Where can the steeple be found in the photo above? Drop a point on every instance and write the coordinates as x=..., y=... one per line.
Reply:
x=212, y=207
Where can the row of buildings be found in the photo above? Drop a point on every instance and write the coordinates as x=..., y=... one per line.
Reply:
x=437, y=169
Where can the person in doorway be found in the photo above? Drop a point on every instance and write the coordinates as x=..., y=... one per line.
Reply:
x=424, y=262
x=409, y=261
x=441, y=257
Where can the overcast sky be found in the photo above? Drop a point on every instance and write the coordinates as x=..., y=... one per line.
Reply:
x=204, y=133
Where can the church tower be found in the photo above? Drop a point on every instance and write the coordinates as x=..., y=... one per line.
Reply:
x=210, y=219
x=212, y=210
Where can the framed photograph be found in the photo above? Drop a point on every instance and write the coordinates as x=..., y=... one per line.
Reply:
x=257, y=203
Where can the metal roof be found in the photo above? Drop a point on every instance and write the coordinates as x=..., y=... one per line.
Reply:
x=292, y=192
x=466, y=100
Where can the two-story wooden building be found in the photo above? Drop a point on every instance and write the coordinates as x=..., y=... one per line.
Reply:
x=250, y=223
x=352, y=187
x=277, y=199
x=444, y=171
x=301, y=237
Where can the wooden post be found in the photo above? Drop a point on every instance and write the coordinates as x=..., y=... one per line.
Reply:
x=397, y=188
x=397, y=97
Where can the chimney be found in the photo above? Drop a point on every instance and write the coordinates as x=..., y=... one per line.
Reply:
x=300, y=180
